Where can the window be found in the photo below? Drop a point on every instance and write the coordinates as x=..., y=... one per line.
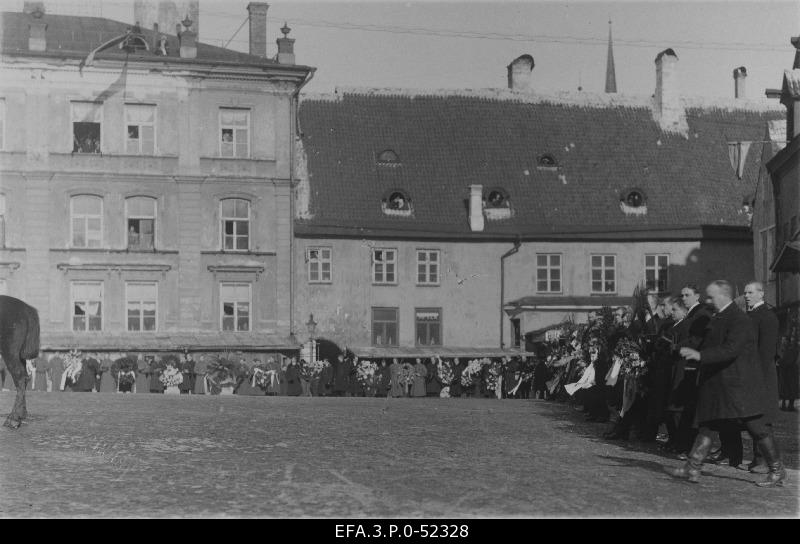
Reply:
x=384, y=327
x=548, y=273
x=546, y=161
x=634, y=199
x=140, y=129
x=656, y=269
x=141, y=222
x=86, y=212
x=429, y=326
x=235, y=305
x=384, y=262
x=87, y=306
x=234, y=127
x=2, y=123
x=516, y=333
x=86, y=120
x=319, y=264
x=235, y=214
x=2, y=220
x=388, y=157
x=398, y=201
x=428, y=267
x=141, y=303
x=497, y=198
x=604, y=274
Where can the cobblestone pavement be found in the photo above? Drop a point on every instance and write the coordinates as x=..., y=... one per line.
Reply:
x=104, y=455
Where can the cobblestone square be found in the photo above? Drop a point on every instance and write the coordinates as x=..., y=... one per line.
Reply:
x=104, y=455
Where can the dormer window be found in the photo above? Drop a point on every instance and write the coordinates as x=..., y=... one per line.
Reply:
x=496, y=198
x=546, y=161
x=396, y=203
x=633, y=202
x=134, y=43
x=388, y=158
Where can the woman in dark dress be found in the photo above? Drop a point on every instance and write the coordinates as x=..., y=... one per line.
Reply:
x=396, y=373
x=155, y=374
x=87, y=380
x=55, y=368
x=433, y=387
x=326, y=380
x=456, y=390
x=187, y=370
x=293, y=385
x=382, y=379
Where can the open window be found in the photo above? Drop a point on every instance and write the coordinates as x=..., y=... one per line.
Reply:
x=87, y=118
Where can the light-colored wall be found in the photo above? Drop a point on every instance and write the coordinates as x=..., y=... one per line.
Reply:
x=39, y=173
x=469, y=293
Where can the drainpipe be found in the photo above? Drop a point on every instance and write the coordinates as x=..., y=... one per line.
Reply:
x=509, y=253
x=294, y=131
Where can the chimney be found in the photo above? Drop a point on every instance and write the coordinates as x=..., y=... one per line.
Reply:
x=739, y=75
x=668, y=111
x=258, y=28
x=790, y=94
x=188, y=41
x=520, y=73
x=37, y=28
x=285, y=46
x=476, y=208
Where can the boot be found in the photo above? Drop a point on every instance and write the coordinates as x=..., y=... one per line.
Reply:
x=777, y=474
x=694, y=463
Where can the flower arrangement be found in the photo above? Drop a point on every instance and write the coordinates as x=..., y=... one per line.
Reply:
x=124, y=372
x=445, y=392
x=365, y=372
x=222, y=372
x=407, y=375
x=445, y=372
x=259, y=377
x=73, y=366
x=472, y=373
x=495, y=370
x=632, y=364
x=171, y=377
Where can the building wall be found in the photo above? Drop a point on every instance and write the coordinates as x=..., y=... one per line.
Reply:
x=786, y=180
x=469, y=292
x=39, y=173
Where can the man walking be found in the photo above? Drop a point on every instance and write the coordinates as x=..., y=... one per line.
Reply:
x=731, y=386
x=765, y=323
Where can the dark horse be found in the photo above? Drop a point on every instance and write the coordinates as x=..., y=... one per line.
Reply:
x=19, y=340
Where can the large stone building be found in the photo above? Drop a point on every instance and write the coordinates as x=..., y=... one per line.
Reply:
x=145, y=189
x=461, y=219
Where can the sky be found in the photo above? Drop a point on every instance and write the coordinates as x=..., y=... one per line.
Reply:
x=468, y=44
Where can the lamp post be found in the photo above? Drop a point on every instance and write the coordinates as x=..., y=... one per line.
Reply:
x=311, y=325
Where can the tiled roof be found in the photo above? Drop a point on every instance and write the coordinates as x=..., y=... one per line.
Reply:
x=71, y=36
x=200, y=341
x=448, y=141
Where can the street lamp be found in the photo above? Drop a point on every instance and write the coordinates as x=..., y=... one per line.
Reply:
x=311, y=325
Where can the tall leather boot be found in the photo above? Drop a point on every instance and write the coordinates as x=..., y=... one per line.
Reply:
x=694, y=463
x=777, y=474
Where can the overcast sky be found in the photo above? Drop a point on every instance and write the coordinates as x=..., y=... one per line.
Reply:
x=427, y=44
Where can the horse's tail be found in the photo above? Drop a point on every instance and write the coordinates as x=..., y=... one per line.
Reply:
x=30, y=347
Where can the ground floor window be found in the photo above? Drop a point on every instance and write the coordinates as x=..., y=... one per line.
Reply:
x=384, y=327
x=429, y=326
x=141, y=300
x=235, y=306
x=87, y=306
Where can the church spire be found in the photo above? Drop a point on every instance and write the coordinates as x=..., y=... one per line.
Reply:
x=611, y=77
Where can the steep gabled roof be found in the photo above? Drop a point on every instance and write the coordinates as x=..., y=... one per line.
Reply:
x=604, y=145
x=71, y=36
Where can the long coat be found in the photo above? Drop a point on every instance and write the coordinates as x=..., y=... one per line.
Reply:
x=56, y=368
x=456, y=390
x=342, y=370
x=731, y=379
x=383, y=380
x=396, y=372
x=432, y=385
x=326, y=381
x=418, y=389
x=293, y=386
x=765, y=324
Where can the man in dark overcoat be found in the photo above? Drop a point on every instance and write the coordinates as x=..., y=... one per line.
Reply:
x=731, y=386
x=341, y=380
x=766, y=327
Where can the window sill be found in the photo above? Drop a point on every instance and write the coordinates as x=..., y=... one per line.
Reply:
x=609, y=293
x=320, y=282
x=550, y=293
x=429, y=285
x=384, y=284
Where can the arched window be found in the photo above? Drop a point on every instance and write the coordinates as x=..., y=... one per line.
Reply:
x=235, y=215
x=547, y=161
x=388, y=157
x=496, y=198
x=86, y=221
x=141, y=222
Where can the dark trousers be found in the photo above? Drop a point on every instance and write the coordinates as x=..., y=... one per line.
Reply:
x=757, y=426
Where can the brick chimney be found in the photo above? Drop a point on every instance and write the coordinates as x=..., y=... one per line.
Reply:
x=188, y=41
x=37, y=28
x=668, y=110
x=476, y=208
x=739, y=75
x=285, y=46
x=520, y=73
x=258, y=28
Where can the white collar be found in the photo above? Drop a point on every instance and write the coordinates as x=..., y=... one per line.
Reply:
x=724, y=307
x=757, y=304
x=692, y=308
